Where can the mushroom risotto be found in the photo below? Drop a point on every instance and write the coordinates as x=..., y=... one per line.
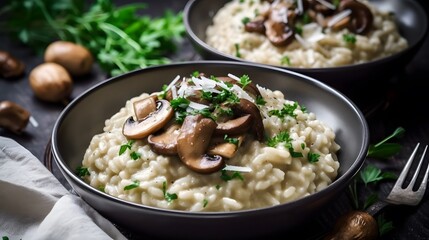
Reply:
x=206, y=143
x=305, y=33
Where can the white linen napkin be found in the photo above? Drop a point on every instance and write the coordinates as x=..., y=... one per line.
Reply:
x=35, y=205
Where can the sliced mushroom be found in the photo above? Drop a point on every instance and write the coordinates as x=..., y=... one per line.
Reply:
x=153, y=122
x=279, y=33
x=256, y=26
x=10, y=66
x=247, y=107
x=192, y=143
x=250, y=88
x=144, y=107
x=320, y=8
x=166, y=142
x=343, y=23
x=13, y=117
x=218, y=146
x=234, y=126
x=361, y=16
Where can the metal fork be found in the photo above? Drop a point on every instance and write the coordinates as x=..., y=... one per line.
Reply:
x=405, y=196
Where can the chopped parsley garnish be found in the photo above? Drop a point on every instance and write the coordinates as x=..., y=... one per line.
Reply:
x=287, y=110
x=260, y=100
x=231, y=140
x=244, y=81
x=135, y=184
x=285, y=60
x=313, y=157
x=226, y=177
x=205, y=202
x=302, y=146
x=349, y=38
x=135, y=155
x=195, y=74
x=168, y=196
x=306, y=18
x=101, y=188
x=217, y=187
x=237, y=50
x=82, y=171
x=163, y=93
x=126, y=146
x=245, y=20
x=283, y=137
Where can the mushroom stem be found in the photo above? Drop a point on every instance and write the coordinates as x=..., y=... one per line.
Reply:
x=151, y=123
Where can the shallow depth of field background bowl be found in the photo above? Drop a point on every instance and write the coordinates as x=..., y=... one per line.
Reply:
x=85, y=117
x=364, y=83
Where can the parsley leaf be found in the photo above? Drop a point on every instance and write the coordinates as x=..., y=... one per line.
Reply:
x=205, y=202
x=372, y=174
x=285, y=60
x=385, y=150
x=135, y=155
x=283, y=137
x=287, y=110
x=126, y=146
x=168, y=196
x=226, y=177
x=231, y=140
x=244, y=81
x=313, y=157
x=260, y=100
x=237, y=50
x=82, y=171
x=349, y=38
x=135, y=184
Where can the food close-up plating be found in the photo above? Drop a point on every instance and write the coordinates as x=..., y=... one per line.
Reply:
x=216, y=143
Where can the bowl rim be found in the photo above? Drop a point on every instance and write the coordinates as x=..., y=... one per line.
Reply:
x=200, y=42
x=344, y=179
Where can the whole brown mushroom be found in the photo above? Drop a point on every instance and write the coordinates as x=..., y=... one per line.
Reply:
x=356, y=225
x=75, y=58
x=13, y=116
x=51, y=82
x=10, y=66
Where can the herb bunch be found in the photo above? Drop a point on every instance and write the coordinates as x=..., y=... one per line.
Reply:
x=371, y=176
x=118, y=37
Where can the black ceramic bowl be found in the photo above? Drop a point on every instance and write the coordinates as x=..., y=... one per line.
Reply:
x=363, y=83
x=85, y=116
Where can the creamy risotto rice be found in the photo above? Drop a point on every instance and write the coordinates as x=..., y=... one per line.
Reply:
x=315, y=44
x=296, y=158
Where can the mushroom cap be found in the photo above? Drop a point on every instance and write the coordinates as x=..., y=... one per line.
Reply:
x=355, y=225
x=13, y=116
x=192, y=144
x=153, y=122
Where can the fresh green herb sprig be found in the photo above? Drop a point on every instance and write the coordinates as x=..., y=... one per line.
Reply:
x=372, y=175
x=383, y=149
x=287, y=110
x=283, y=138
x=120, y=39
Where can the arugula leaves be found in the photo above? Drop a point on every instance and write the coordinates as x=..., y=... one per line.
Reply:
x=118, y=37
